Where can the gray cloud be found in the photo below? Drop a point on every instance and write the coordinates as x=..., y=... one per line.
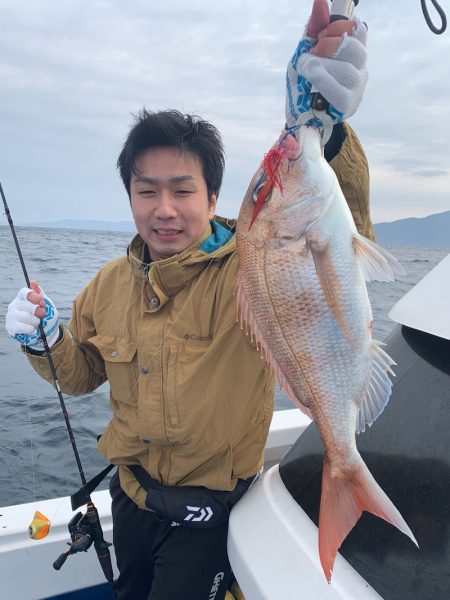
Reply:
x=72, y=73
x=431, y=173
x=413, y=166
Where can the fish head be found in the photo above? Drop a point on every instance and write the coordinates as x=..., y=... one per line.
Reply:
x=284, y=196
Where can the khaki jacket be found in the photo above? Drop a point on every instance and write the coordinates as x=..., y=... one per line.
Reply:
x=191, y=398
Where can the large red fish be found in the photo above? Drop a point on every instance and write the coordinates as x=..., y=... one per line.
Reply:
x=301, y=294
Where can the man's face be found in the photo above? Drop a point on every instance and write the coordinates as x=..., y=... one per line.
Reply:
x=169, y=200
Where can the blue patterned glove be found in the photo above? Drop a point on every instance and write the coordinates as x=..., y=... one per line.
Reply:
x=22, y=324
x=341, y=79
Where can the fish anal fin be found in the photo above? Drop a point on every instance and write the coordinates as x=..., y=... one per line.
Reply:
x=379, y=389
x=377, y=264
x=248, y=322
x=330, y=284
x=345, y=495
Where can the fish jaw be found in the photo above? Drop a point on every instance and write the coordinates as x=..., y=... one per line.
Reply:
x=304, y=194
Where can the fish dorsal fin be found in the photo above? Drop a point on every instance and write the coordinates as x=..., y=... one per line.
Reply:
x=248, y=322
x=377, y=264
x=378, y=390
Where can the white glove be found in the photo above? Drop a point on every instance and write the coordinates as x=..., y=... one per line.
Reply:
x=22, y=324
x=340, y=79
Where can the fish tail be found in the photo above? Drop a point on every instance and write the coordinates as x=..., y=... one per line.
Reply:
x=345, y=495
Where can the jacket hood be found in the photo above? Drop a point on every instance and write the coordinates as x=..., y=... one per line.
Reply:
x=167, y=277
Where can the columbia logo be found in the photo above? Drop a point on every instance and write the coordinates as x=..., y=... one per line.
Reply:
x=194, y=515
x=197, y=338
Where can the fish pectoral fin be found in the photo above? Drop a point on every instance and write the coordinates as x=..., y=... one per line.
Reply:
x=378, y=390
x=377, y=264
x=330, y=284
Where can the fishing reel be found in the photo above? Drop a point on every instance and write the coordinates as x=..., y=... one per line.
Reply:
x=80, y=532
x=85, y=530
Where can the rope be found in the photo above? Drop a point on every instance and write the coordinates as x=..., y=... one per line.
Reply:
x=441, y=13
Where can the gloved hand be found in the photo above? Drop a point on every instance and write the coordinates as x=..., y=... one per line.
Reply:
x=28, y=308
x=333, y=58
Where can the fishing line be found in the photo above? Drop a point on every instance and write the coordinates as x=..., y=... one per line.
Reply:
x=33, y=465
x=32, y=455
x=93, y=524
x=52, y=518
x=33, y=474
x=441, y=13
x=44, y=341
x=30, y=422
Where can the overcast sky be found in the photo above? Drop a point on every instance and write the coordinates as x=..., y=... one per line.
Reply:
x=73, y=72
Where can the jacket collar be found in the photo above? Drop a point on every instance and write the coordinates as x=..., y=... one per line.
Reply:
x=167, y=277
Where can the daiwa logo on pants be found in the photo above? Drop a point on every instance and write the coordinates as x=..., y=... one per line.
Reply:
x=216, y=584
x=194, y=515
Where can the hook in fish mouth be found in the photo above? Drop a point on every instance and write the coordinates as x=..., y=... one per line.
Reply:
x=287, y=148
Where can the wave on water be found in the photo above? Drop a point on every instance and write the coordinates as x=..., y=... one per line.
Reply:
x=63, y=261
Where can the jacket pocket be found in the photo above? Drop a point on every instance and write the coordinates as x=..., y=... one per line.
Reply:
x=119, y=354
x=185, y=387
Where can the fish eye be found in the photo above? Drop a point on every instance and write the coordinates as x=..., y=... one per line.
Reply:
x=258, y=186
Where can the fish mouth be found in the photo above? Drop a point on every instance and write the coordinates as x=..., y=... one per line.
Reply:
x=275, y=164
x=291, y=146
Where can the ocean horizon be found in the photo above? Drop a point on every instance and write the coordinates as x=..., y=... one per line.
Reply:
x=36, y=459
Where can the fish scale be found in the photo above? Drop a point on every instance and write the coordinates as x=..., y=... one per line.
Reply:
x=301, y=295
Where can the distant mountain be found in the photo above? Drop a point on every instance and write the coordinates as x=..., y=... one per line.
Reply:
x=79, y=224
x=433, y=230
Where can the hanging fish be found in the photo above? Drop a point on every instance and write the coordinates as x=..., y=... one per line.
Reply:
x=39, y=526
x=301, y=294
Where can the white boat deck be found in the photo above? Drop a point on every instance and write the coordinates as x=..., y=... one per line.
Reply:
x=26, y=570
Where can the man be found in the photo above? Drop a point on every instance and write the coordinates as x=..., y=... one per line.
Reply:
x=190, y=396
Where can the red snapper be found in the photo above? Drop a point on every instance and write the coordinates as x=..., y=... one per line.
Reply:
x=301, y=294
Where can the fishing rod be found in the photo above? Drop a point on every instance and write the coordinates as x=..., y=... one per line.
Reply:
x=84, y=529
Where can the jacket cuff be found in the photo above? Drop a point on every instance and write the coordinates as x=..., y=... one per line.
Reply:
x=334, y=144
x=59, y=341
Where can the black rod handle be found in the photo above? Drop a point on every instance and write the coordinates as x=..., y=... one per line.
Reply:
x=61, y=560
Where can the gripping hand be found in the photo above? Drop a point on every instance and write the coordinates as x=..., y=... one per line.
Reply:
x=332, y=57
x=22, y=321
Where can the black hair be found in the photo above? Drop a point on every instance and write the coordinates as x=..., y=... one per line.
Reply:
x=171, y=128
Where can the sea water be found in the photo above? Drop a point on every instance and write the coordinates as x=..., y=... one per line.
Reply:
x=36, y=458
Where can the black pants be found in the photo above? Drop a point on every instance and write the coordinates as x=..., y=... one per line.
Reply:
x=161, y=561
